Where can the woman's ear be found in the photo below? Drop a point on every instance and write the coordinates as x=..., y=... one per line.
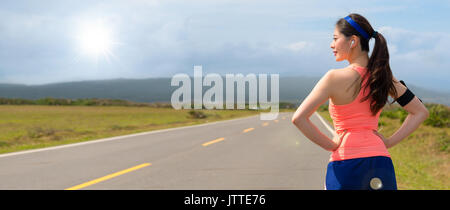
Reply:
x=354, y=39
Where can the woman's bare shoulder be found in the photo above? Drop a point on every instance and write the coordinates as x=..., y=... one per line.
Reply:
x=342, y=74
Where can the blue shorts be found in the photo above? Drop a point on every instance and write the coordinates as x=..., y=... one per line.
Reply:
x=369, y=173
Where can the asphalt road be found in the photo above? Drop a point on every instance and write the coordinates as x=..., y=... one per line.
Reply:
x=240, y=154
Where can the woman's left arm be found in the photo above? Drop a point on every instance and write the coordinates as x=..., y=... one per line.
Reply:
x=320, y=93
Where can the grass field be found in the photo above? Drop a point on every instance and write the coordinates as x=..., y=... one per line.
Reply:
x=33, y=126
x=422, y=160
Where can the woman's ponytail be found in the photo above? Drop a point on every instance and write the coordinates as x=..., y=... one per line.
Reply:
x=380, y=78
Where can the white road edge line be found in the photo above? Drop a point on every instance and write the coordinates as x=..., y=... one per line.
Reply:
x=325, y=123
x=329, y=129
x=118, y=137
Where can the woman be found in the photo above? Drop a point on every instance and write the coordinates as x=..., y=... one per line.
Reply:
x=356, y=95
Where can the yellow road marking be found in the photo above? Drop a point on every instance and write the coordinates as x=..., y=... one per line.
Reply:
x=110, y=176
x=213, y=141
x=247, y=130
x=265, y=124
x=276, y=121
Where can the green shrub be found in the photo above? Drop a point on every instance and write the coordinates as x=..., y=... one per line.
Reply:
x=395, y=113
x=37, y=132
x=287, y=105
x=323, y=108
x=53, y=101
x=15, y=101
x=443, y=142
x=197, y=114
x=439, y=116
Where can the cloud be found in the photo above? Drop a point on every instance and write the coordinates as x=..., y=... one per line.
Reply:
x=428, y=48
x=419, y=56
x=301, y=46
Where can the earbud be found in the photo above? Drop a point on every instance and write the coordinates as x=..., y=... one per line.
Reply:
x=353, y=41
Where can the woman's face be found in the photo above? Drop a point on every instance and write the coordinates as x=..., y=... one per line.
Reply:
x=340, y=45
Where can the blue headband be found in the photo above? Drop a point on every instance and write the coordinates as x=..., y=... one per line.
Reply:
x=357, y=27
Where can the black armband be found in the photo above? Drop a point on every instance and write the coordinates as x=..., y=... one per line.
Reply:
x=407, y=97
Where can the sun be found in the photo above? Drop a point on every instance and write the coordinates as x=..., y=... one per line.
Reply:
x=95, y=39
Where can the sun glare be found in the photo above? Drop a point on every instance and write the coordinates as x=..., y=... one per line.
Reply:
x=95, y=39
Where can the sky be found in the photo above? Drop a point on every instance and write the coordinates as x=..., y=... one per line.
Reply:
x=48, y=41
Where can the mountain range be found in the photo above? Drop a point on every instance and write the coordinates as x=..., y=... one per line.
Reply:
x=291, y=89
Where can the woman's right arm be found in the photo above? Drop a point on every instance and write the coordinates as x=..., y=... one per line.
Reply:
x=417, y=113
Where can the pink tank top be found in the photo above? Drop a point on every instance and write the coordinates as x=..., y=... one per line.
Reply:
x=356, y=117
